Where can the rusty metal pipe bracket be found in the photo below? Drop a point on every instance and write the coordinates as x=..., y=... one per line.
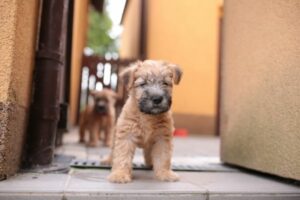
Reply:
x=52, y=55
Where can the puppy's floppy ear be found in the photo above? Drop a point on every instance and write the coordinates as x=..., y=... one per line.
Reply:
x=127, y=75
x=113, y=94
x=177, y=73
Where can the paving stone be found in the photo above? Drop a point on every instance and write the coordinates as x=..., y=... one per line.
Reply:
x=31, y=196
x=92, y=184
x=34, y=183
x=120, y=196
x=239, y=183
x=254, y=197
x=197, y=146
x=143, y=182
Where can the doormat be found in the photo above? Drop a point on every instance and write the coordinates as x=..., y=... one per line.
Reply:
x=207, y=164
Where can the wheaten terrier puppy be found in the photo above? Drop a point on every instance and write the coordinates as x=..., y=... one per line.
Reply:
x=99, y=116
x=146, y=120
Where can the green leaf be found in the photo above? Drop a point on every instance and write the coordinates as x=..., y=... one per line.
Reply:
x=98, y=39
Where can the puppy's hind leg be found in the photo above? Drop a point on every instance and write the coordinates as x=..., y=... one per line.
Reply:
x=108, y=159
x=93, y=136
x=161, y=157
x=82, y=128
x=147, y=155
x=108, y=133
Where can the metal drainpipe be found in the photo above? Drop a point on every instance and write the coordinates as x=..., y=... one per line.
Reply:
x=65, y=90
x=50, y=60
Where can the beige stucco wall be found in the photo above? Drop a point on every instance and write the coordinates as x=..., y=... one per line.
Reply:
x=260, y=121
x=130, y=38
x=78, y=44
x=186, y=33
x=17, y=49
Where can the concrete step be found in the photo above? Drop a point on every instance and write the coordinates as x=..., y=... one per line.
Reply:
x=92, y=184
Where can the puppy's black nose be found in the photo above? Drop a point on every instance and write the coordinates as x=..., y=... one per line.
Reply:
x=100, y=109
x=157, y=99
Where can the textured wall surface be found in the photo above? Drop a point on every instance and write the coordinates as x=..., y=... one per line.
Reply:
x=260, y=115
x=17, y=46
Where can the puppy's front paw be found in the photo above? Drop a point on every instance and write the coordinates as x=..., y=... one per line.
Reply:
x=92, y=144
x=81, y=141
x=107, y=144
x=119, y=177
x=106, y=161
x=167, y=176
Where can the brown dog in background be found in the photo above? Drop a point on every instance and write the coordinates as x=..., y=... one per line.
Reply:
x=99, y=116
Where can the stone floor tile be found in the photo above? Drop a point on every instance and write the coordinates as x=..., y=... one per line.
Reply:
x=253, y=196
x=30, y=196
x=34, y=183
x=239, y=183
x=143, y=182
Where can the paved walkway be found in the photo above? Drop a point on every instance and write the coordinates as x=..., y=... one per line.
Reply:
x=92, y=184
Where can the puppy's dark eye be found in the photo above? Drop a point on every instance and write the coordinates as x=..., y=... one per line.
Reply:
x=142, y=84
x=166, y=84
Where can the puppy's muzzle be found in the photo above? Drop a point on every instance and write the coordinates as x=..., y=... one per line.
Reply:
x=155, y=104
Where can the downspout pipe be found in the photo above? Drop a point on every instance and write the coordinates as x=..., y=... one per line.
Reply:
x=45, y=107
